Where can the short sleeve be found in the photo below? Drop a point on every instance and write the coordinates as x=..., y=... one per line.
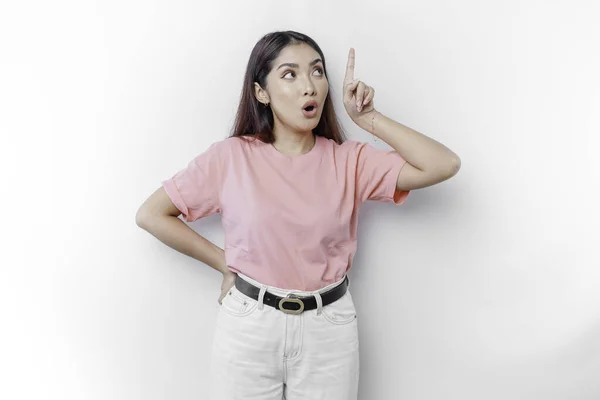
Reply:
x=195, y=189
x=377, y=174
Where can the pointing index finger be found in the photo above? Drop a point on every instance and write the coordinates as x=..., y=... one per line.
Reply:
x=350, y=67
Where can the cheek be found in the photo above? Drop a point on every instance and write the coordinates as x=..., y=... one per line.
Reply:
x=325, y=89
x=285, y=91
x=287, y=98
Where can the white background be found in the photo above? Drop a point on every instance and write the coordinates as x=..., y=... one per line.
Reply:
x=485, y=286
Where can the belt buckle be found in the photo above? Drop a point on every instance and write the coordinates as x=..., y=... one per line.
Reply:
x=291, y=298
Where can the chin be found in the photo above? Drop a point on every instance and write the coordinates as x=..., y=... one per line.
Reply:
x=312, y=124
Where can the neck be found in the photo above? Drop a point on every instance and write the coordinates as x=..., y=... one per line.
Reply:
x=293, y=143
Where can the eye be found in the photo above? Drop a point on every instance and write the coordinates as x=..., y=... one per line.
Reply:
x=292, y=72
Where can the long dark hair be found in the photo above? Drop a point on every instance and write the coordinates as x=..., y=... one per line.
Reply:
x=253, y=118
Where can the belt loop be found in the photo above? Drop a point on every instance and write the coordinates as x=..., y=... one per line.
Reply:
x=319, y=302
x=261, y=296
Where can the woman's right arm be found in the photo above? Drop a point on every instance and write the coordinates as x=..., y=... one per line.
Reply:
x=159, y=216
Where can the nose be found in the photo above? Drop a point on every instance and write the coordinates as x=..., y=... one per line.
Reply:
x=309, y=87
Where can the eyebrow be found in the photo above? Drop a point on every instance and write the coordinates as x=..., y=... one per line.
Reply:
x=313, y=62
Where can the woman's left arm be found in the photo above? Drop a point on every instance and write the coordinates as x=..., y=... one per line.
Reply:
x=428, y=161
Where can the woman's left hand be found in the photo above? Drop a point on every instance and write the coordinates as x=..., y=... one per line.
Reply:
x=358, y=97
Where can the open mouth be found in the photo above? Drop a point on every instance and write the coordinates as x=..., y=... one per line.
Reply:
x=309, y=111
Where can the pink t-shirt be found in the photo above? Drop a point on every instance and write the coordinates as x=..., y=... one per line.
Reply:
x=289, y=221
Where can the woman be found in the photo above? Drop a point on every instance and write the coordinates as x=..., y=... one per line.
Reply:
x=289, y=185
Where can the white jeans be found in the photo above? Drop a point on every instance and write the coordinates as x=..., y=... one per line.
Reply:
x=262, y=353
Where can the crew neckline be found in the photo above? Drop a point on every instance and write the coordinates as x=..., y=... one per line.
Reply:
x=311, y=153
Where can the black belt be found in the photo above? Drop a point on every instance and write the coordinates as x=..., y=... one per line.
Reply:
x=299, y=304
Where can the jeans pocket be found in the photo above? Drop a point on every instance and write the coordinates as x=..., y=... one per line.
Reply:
x=237, y=303
x=341, y=311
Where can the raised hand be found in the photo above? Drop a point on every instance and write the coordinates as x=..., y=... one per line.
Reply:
x=358, y=97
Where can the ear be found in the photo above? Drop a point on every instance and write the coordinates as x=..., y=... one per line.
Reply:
x=260, y=94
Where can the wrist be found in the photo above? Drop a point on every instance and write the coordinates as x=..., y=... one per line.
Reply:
x=367, y=121
x=227, y=273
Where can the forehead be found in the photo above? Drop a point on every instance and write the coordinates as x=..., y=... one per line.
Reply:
x=300, y=54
